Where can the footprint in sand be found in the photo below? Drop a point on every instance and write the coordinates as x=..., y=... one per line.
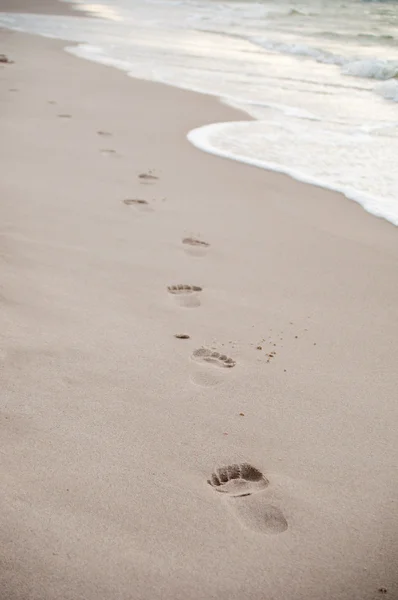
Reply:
x=244, y=488
x=186, y=295
x=195, y=247
x=108, y=152
x=138, y=203
x=104, y=133
x=64, y=116
x=204, y=357
x=147, y=178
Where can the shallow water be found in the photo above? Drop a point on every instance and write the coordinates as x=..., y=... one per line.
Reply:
x=320, y=77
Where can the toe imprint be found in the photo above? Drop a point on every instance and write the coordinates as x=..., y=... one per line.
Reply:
x=213, y=357
x=194, y=242
x=183, y=289
x=238, y=480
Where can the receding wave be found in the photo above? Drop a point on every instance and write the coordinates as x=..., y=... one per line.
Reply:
x=240, y=141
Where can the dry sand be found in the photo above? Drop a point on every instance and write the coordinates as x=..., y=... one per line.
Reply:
x=111, y=426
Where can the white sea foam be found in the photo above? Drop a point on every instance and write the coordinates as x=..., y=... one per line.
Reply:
x=389, y=90
x=372, y=68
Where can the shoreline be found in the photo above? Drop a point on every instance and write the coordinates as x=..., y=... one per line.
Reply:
x=112, y=426
x=365, y=201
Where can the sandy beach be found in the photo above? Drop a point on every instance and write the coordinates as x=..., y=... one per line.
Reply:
x=116, y=236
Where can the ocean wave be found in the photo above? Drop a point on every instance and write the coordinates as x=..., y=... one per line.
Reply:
x=375, y=37
x=371, y=69
x=365, y=38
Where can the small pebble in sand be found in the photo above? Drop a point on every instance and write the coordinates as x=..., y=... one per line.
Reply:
x=259, y=348
x=241, y=414
x=182, y=336
x=4, y=59
x=296, y=336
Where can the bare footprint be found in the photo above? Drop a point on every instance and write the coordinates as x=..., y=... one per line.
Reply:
x=108, y=152
x=204, y=376
x=195, y=247
x=213, y=357
x=138, y=203
x=147, y=178
x=65, y=116
x=245, y=496
x=104, y=133
x=186, y=295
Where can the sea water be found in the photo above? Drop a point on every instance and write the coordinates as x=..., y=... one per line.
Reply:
x=319, y=77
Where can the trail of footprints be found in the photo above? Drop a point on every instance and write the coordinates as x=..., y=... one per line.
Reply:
x=242, y=487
